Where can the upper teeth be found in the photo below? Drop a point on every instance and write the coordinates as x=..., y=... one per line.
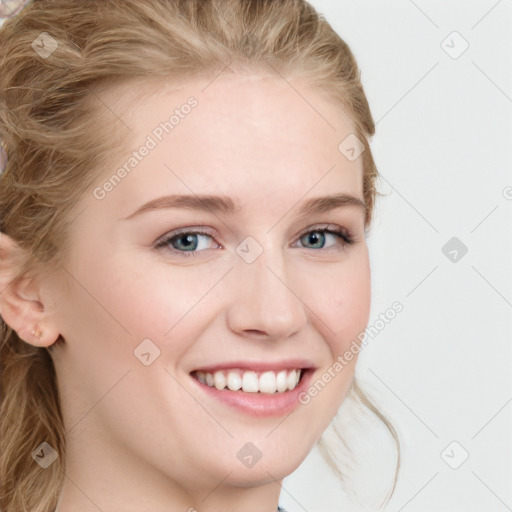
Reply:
x=250, y=381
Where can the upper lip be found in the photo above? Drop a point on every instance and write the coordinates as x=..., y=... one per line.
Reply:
x=259, y=366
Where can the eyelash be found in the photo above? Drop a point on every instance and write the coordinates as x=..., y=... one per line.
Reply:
x=343, y=234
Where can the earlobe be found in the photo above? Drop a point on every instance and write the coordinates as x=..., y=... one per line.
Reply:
x=20, y=305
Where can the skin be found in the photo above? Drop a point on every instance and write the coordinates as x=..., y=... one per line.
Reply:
x=145, y=438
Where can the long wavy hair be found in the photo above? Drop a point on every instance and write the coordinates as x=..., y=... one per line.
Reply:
x=56, y=138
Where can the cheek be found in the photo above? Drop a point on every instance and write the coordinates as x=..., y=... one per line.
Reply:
x=343, y=302
x=151, y=302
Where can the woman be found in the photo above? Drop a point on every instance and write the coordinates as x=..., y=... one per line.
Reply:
x=184, y=212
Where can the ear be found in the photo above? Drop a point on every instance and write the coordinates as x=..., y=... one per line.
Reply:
x=24, y=305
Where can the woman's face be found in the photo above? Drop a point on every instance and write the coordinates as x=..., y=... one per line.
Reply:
x=148, y=302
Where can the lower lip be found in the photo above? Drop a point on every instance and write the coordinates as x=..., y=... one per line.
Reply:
x=260, y=404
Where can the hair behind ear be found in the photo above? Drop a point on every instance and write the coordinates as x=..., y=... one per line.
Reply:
x=29, y=415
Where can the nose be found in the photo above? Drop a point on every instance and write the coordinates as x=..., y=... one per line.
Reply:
x=267, y=300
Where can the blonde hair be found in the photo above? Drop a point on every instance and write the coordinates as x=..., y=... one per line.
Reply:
x=49, y=127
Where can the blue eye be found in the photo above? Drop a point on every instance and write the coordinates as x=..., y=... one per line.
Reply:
x=313, y=236
x=188, y=243
x=184, y=242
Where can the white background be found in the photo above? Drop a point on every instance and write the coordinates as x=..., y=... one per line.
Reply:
x=441, y=370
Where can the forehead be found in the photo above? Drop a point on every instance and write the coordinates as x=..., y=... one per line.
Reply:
x=244, y=133
x=255, y=104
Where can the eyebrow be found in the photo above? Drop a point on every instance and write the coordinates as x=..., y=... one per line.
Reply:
x=224, y=204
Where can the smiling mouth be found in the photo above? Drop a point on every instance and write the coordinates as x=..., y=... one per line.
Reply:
x=248, y=381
